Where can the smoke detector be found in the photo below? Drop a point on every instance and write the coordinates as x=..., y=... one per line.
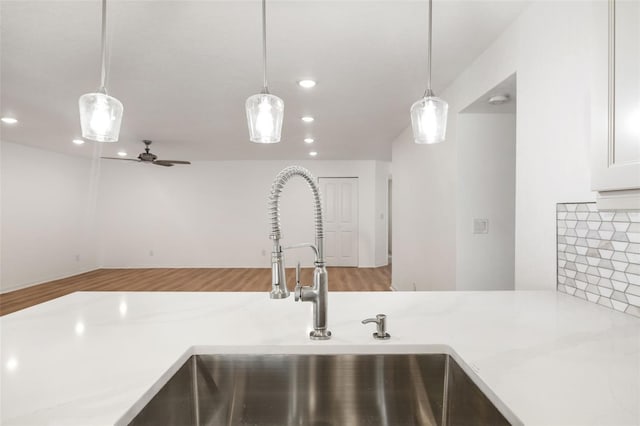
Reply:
x=499, y=99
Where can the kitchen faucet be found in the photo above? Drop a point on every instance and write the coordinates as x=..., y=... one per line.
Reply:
x=318, y=294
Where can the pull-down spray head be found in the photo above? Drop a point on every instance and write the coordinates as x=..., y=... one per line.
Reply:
x=279, y=288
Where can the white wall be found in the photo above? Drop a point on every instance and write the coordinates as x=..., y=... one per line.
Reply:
x=47, y=204
x=424, y=219
x=550, y=47
x=486, y=190
x=214, y=214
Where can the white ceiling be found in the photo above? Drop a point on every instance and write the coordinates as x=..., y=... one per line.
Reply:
x=183, y=70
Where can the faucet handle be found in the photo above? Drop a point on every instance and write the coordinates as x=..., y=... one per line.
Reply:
x=381, y=323
x=298, y=287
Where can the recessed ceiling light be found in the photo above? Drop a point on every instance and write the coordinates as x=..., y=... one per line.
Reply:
x=307, y=119
x=122, y=153
x=12, y=364
x=78, y=141
x=313, y=153
x=308, y=140
x=9, y=120
x=307, y=84
x=79, y=328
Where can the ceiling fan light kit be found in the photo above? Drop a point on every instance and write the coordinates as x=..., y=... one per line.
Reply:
x=429, y=114
x=101, y=114
x=264, y=110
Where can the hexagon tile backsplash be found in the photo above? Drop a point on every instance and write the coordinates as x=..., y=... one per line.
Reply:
x=599, y=255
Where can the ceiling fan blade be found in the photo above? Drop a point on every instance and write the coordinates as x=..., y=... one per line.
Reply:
x=175, y=161
x=162, y=163
x=118, y=158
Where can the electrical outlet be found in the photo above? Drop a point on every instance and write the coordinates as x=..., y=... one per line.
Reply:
x=77, y=258
x=264, y=252
x=150, y=252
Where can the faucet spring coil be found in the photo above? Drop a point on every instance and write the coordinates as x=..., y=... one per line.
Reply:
x=274, y=199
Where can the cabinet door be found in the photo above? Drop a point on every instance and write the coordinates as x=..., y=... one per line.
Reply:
x=616, y=99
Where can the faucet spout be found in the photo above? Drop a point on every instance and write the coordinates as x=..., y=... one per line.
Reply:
x=319, y=292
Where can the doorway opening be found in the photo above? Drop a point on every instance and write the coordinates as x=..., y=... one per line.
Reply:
x=390, y=220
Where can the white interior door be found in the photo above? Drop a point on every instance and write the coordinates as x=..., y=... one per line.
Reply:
x=340, y=205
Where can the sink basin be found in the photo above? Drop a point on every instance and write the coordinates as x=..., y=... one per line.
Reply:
x=367, y=389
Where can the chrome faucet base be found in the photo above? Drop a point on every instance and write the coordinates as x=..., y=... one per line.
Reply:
x=385, y=336
x=320, y=335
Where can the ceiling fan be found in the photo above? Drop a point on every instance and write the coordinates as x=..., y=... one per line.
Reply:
x=148, y=157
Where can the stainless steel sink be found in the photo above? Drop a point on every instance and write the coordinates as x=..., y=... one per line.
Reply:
x=314, y=390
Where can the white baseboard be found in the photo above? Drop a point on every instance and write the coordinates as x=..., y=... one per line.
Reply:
x=55, y=278
x=189, y=267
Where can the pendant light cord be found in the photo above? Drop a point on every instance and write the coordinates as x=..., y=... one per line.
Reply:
x=103, y=74
x=265, y=88
x=429, y=92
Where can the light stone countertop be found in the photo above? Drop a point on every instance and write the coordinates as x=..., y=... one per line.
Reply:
x=88, y=358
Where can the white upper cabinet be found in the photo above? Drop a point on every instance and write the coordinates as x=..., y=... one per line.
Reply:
x=616, y=105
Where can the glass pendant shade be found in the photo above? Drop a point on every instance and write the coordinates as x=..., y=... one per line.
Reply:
x=264, y=118
x=100, y=117
x=429, y=120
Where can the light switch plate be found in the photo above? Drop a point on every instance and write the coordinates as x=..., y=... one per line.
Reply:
x=480, y=226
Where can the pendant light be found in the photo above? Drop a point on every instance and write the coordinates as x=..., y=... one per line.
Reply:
x=429, y=114
x=101, y=114
x=264, y=110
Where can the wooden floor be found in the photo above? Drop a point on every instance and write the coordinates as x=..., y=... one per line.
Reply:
x=202, y=279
